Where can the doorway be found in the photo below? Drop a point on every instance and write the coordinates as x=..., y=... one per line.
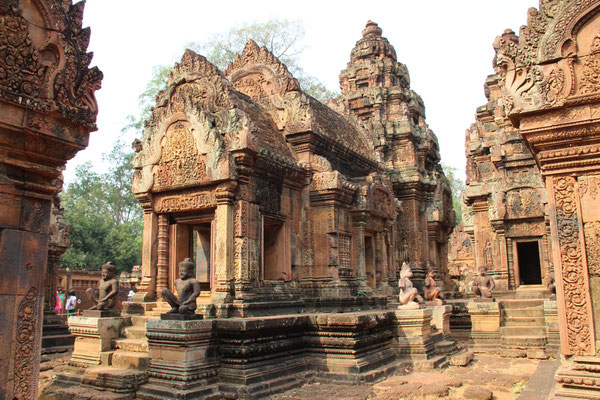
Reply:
x=201, y=245
x=528, y=257
x=276, y=254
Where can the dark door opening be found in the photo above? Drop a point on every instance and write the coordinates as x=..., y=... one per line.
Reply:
x=528, y=254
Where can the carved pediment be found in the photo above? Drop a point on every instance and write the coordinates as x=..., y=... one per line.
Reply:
x=258, y=73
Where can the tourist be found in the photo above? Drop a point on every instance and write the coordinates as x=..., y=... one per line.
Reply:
x=60, y=301
x=71, y=304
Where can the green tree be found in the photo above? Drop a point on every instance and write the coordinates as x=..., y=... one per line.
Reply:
x=457, y=185
x=104, y=216
x=281, y=37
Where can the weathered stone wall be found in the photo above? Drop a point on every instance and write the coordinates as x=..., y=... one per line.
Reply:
x=549, y=80
x=47, y=110
x=504, y=199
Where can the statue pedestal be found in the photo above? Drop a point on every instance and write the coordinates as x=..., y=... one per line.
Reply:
x=182, y=361
x=485, y=325
x=413, y=330
x=93, y=339
x=578, y=378
x=440, y=319
x=180, y=317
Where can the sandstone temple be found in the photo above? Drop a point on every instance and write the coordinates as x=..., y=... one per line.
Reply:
x=285, y=201
x=306, y=233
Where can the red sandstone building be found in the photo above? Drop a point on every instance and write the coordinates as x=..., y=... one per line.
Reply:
x=281, y=199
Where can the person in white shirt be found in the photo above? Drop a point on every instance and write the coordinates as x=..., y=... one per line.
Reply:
x=71, y=303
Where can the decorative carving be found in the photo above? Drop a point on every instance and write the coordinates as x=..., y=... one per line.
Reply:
x=590, y=80
x=488, y=253
x=22, y=70
x=258, y=73
x=524, y=203
x=592, y=246
x=180, y=163
x=588, y=186
x=553, y=87
x=576, y=297
x=241, y=219
x=268, y=196
x=184, y=202
x=162, y=263
x=27, y=350
x=519, y=229
x=54, y=74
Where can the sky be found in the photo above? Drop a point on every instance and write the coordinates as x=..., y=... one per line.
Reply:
x=447, y=47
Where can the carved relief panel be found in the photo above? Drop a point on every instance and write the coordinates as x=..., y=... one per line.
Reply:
x=571, y=268
x=180, y=163
x=524, y=203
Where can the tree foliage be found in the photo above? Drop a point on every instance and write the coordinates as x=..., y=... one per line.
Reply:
x=281, y=37
x=457, y=185
x=104, y=216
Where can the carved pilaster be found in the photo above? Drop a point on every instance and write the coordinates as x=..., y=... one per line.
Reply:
x=162, y=264
x=359, y=237
x=224, y=220
x=570, y=263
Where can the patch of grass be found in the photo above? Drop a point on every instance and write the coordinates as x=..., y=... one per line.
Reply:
x=518, y=389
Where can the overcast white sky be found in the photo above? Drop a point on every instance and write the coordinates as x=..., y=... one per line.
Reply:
x=446, y=45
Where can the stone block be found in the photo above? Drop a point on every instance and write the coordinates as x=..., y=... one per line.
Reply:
x=113, y=379
x=440, y=318
x=181, y=358
x=94, y=339
x=180, y=317
x=485, y=325
x=413, y=331
x=461, y=359
x=101, y=313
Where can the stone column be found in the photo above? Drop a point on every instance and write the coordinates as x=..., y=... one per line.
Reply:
x=359, y=240
x=162, y=265
x=147, y=287
x=223, y=267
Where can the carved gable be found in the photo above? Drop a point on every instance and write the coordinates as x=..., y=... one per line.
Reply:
x=258, y=73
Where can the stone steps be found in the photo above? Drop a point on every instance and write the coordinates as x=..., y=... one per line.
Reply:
x=135, y=345
x=130, y=360
x=445, y=347
x=57, y=340
x=432, y=363
x=437, y=336
x=114, y=379
x=266, y=389
x=135, y=332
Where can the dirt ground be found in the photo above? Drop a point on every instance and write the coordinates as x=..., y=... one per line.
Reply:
x=51, y=364
x=486, y=378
